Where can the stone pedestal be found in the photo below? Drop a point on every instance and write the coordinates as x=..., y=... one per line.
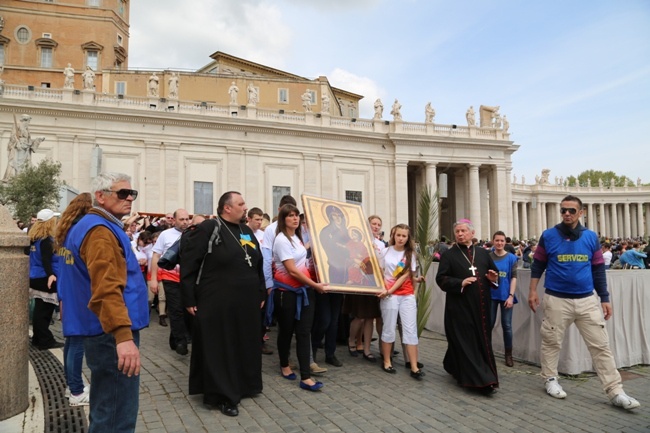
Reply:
x=14, y=320
x=88, y=96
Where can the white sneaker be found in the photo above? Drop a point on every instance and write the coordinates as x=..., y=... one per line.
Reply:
x=82, y=399
x=67, y=390
x=625, y=401
x=553, y=388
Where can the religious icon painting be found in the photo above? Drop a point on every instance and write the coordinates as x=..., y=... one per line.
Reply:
x=341, y=244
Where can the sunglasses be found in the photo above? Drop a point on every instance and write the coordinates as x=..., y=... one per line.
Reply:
x=571, y=210
x=124, y=193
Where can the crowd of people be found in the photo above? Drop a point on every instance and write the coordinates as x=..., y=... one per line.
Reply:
x=219, y=282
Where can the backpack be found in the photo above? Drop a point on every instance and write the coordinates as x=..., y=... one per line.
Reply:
x=172, y=256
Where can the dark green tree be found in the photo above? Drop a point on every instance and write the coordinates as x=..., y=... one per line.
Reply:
x=35, y=188
x=592, y=176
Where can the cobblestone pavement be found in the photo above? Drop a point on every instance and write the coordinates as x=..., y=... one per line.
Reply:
x=360, y=397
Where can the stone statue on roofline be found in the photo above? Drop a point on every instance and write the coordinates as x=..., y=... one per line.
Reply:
x=429, y=113
x=233, y=91
x=253, y=96
x=325, y=104
x=470, y=115
x=488, y=115
x=20, y=147
x=379, y=109
x=306, y=101
x=152, y=89
x=68, y=73
x=395, y=111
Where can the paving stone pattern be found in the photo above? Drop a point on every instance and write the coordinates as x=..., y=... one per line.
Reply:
x=360, y=397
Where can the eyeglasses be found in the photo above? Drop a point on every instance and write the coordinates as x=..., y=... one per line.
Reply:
x=571, y=210
x=124, y=193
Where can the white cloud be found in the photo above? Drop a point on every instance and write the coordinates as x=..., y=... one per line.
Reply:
x=365, y=86
x=172, y=34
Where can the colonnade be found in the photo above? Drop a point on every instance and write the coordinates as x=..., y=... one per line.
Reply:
x=610, y=219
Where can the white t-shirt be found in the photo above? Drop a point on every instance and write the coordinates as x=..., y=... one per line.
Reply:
x=166, y=239
x=259, y=234
x=285, y=250
x=607, y=255
x=390, y=259
x=269, y=235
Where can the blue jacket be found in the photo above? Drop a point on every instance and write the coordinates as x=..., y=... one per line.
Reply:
x=36, y=265
x=75, y=286
x=573, y=261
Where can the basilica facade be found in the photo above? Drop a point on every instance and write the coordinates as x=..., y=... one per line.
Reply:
x=187, y=137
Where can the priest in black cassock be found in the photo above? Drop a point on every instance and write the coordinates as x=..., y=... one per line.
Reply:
x=467, y=274
x=226, y=363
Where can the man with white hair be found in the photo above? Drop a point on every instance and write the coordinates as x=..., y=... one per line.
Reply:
x=467, y=274
x=106, y=303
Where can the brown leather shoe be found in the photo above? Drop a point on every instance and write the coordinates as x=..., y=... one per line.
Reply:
x=266, y=350
x=162, y=320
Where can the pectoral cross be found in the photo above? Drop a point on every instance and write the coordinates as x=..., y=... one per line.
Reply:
x=473, y=269
x=248, y=259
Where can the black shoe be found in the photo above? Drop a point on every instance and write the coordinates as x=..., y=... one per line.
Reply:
x=408, y=365
x=487, y=390
x=229, y=409
x=181, y=349
x=162, y=320
x=417, y=374
x=55, y=345
x=389, y=369
x=332, y=360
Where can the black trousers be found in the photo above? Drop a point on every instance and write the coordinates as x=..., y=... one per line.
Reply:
x=180, y=321
x=326, y=322
x=285, y=312
x=41, y=319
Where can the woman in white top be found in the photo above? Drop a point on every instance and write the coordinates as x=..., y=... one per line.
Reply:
x=398, y=298
x=293, y=296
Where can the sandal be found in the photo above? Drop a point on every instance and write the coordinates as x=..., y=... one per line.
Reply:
x=353, y=351
x=389, y=369
x=369, y=357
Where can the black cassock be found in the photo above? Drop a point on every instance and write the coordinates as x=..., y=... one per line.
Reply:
x=469, y=358
x=226, y=362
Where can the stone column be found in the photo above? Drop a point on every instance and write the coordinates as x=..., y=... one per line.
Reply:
x=614, y=220
x=544, y=217
x=474, y=199
x=515, y=221
x=639, y=220
x=627, y=229
x=591, y=217
x=14, y=320
x=601, y=220
x=401, y=193
x=538, y=220
x=647, y=218
x=524, y=220
x=432, y=182
x=509, y=216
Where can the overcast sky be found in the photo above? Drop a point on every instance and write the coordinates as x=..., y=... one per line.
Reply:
x=573, y=77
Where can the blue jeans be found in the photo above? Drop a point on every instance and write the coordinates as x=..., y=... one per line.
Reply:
x=73, y=358
x=506, y=321
x=113, y=396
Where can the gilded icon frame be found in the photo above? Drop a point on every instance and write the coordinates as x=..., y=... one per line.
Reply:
x=342, y=246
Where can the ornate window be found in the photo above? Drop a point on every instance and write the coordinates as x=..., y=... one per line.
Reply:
x=92, y=52
x=46, y=47
x=23, y=34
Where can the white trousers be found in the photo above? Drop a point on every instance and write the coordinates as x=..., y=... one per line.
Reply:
x=406, y=307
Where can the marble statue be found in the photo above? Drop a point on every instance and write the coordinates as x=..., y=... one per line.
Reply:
x=325, y=101
x=173, y=86
x=545, y=173
x=379, y=109
x=306, y=101
x=497, y=121
x=233, y=91
x=21, y=146
x=557, y=181
x=68, y=73
x=600, y=182
x=488, y=115
x=562, y=180
x=429, y=113
x=638, y=181
x=588, y=182
x=537, y=179
x=152, y=89
x=88, y=78
x=470, y=116
x=253, y=97
x=514, y=178
x=523, y=179
x=395, y=111
x=506, y=124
